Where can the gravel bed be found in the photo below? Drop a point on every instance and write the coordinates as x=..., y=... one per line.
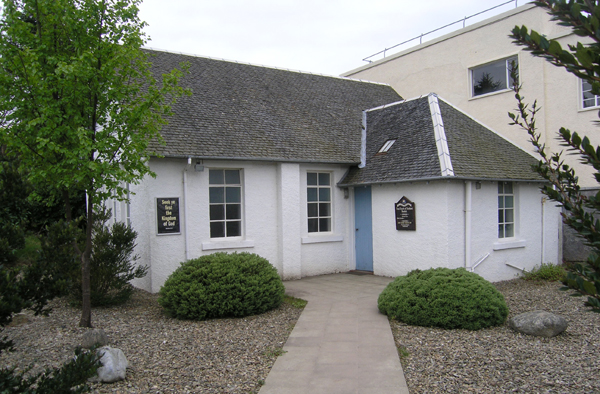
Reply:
x=499, y=360
x=165, y=355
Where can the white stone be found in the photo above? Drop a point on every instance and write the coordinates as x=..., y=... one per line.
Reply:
x=114, y=365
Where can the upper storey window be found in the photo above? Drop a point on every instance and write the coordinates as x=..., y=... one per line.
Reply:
x=493, y=77
x=589, y=99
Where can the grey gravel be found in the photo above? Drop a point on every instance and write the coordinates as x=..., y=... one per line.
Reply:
x=500, y=360
x=165, y=355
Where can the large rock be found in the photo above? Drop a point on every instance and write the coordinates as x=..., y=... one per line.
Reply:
x=538, y=323
x=94, y=337
x=114, y=365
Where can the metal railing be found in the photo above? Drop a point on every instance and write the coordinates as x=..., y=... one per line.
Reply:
x=420, y=37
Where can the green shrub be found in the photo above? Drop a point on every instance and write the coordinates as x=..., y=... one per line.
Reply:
x=112, y=265
x=222, y=285
x=548, y=272
x=446, y=298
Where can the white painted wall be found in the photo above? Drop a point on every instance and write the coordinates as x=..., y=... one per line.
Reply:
x=439, y=240
x=274, y=219
x=442, y=66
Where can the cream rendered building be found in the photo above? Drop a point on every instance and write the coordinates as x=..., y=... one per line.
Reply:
x=453, y=66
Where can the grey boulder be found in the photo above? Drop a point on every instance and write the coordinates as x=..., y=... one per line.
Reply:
x=538, y=323
x=94, y=337
x=114, y=365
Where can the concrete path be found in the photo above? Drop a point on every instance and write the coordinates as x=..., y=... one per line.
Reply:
x=341, y=343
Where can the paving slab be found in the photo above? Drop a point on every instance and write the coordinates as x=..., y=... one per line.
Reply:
x=341, y=342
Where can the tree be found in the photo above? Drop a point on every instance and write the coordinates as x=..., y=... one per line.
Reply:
x=78, y=100
x=583, y=60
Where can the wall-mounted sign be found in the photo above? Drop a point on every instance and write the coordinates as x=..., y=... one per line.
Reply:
x=405, y=215
x=167, y=215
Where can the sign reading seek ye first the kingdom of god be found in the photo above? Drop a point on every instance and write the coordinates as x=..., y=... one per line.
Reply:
x=167, y=215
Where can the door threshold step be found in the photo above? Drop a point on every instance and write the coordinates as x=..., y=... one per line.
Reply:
x=359, y=272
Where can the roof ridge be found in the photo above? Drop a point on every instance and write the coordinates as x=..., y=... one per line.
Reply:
x=264, y=66
x=440, y=136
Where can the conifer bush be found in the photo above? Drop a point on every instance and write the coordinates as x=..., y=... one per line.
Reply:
x=445, y=298
x=222, y=285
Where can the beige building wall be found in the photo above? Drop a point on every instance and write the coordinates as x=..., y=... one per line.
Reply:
x=443, y=66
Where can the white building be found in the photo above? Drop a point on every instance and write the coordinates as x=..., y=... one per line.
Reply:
x=454, y=66
x=323, y=174
x=469, y=68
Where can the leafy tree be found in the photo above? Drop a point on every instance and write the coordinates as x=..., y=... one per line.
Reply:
x=583, y=60
x=78, y=101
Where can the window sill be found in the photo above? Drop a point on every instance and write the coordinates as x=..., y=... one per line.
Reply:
x=490, y=94
x=594, y=108
x=510, y=244
x=314, y=239
x=227, y=245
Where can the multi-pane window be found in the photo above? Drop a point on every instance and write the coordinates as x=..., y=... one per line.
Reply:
x=318, y=196
x=589, y=99
x=506, y=210
x=493, y=76
x=225, y=203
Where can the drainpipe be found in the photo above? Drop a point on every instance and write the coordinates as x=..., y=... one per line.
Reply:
x=543, y=254
x=468, y=199
x=185, y=208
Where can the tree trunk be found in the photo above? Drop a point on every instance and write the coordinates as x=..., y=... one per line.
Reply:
x=68, y=208
x=86, y=305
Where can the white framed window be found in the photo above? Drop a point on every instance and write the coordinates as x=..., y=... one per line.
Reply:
x=506, y=210
x=225, y=203
x=318, y=197
x=588, y=99
x=492, y=77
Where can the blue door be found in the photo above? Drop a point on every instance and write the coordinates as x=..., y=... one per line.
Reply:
x=363, y=241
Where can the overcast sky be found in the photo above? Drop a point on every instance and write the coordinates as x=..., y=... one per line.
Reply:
x=318, y=36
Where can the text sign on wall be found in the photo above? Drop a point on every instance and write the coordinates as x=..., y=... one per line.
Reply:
x=167, y=215
x=405, y=215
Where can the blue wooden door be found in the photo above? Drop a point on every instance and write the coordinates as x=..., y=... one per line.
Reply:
x=363, y=223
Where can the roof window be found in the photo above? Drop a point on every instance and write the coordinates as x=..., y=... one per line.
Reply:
x=388, y=144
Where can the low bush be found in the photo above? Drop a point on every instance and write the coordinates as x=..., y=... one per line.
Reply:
x=112, y=263
x=547, y=272
x=446, y=298
x=222, y=285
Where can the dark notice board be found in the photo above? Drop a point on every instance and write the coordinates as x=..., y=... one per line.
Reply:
x=405, y=215
x=167, y=215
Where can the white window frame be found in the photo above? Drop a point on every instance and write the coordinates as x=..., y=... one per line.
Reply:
x=507, y=82
x=320, y=216
x=583, y=89
x=507, y=218
x=225, y=220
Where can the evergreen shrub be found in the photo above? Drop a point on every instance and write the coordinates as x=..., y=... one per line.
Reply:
x=222, y=285
x=443, y=297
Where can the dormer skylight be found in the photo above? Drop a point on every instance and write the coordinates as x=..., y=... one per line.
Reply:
x=388, y=144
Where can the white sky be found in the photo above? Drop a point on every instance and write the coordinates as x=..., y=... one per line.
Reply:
x=318, y=36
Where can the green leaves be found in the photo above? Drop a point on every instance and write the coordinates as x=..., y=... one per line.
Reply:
x=581, y=209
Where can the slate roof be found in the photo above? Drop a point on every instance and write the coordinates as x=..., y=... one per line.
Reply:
x=241, y=111
x=472, y=151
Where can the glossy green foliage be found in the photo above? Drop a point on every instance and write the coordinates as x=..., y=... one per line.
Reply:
x=222, y=285
x=443, y=297
x=583, y=60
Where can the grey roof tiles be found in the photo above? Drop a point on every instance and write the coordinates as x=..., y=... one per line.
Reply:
x=475, y=151
x=241, y=111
